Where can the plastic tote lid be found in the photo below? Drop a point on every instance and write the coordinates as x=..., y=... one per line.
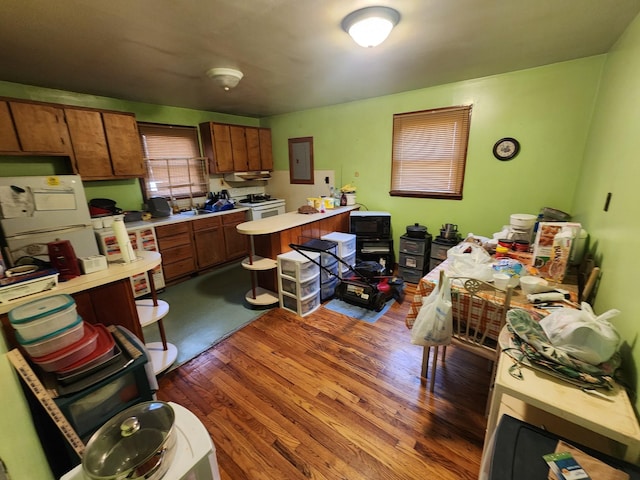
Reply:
x=42, y=307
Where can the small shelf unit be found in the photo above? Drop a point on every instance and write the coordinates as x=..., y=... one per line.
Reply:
x=299, y=282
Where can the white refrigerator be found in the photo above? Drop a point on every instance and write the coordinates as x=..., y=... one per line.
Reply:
x=41, y=209
x=142, y=238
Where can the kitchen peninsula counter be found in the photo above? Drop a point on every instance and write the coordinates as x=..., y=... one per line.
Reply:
x=272, y=236
x=290, y=220
x=101, y=297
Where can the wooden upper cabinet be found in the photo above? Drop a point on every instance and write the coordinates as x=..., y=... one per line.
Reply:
x=216, y=142
x=89, y=143
x=238, y=148
x=8, y=136
x=123, y=140
x=40, y=128
x=252, y=138
x=266, y=154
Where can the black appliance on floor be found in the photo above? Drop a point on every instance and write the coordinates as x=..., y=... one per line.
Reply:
x=374, y=241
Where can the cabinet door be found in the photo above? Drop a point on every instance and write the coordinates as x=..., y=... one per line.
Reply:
x=266, y=154
x=89, y=143
x=124, y=144
x=252, y=138
x=209, y=247
x=236, y=244
x=238, y=148
x=8, y=137
x=222, y=153
x=40, y=128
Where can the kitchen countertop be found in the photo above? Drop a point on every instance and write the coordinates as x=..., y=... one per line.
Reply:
x=286, y=221
x=177, y=218
x=115, y=271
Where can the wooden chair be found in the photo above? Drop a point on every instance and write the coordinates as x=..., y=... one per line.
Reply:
x=479, y=311
x=588, y=276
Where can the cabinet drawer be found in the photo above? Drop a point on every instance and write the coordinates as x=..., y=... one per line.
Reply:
x=236, y=217
x=413, y=245
x=180, y=268
x=411, y=261
x=164, y=231
x=172, y=242
x=176, y=254
x=207, y=223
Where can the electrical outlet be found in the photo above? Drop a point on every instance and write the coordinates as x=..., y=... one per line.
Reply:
x=356, y=174
x=221, y=182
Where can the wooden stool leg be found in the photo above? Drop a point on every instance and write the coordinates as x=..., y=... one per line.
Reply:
x=434, y=362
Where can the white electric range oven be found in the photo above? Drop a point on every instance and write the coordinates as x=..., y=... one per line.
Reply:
x=262, y=207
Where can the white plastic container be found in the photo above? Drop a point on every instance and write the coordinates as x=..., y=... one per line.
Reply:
x=44, y=316
x=54, y=341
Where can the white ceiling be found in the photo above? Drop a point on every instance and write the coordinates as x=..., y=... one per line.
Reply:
x=293, y=53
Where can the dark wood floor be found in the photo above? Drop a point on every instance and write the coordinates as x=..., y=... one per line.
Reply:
x=330, y=397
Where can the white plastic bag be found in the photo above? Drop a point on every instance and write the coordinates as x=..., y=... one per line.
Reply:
x=582, y=334
x=433, y=324
x=470, y=260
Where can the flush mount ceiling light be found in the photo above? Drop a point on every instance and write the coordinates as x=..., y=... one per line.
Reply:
x=370, y=26
x=227, y=78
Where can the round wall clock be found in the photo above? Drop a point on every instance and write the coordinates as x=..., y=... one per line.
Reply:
x=506, y=148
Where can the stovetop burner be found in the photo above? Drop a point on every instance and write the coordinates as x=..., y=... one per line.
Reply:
x=256, y=198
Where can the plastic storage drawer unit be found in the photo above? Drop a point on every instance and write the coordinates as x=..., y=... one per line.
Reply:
x=295, y=265
x=412, y=261
x=44, y=316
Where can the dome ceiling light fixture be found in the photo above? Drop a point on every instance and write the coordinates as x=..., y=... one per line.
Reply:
x=370, y=26
x=227, y=78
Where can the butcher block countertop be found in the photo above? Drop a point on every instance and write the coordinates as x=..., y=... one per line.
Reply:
x=287, y=221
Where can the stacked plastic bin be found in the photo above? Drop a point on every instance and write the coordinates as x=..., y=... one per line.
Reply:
x=299, y=282
x=330, y=271
x=346, y=243
x=54, y=336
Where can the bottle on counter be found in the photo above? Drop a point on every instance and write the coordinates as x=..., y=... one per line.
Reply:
x=343, y=200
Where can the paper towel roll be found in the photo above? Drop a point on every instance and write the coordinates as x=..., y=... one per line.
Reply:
x=122, y=237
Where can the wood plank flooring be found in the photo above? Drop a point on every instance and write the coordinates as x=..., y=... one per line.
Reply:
x=330, y=397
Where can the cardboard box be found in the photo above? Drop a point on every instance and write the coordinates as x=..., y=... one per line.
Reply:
x=552, y=248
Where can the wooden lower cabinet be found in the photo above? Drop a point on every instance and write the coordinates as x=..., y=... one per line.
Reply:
x=236, y=244
x=176, y=247
x=208, y=239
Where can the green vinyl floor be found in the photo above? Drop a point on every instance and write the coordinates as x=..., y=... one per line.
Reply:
x=205, y=310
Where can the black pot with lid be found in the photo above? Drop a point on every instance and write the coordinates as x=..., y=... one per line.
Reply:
x=416, y=231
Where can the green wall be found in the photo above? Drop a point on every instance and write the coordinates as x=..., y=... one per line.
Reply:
x=547, y=109
x=611, y=165
x=19, y=444
x=127, y=193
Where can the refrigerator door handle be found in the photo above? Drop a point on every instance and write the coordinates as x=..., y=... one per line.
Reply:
x=71, y=228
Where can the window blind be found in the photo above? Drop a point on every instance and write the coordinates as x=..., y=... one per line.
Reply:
x=175, y=168
x=429, y=152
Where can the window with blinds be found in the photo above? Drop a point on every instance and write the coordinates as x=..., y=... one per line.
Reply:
x=430, y=152
x=175, y=168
